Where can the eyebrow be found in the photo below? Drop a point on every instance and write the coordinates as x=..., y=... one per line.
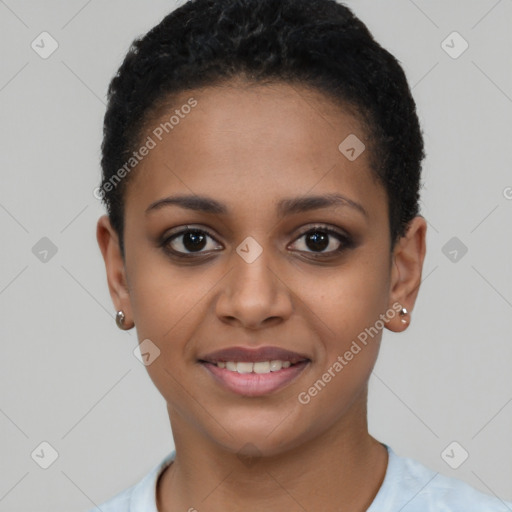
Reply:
x=284, y=206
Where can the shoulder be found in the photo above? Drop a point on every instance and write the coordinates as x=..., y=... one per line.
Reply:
x=409, y=486
x=119, y=503
x=140, y=497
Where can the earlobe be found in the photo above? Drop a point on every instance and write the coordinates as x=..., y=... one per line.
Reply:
x=400, y=318
x=407, y=266
x=108, y=242
x=405, y=317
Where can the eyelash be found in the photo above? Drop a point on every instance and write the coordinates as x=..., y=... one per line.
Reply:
x=346, y=241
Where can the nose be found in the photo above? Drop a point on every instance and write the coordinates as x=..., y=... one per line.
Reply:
x=254, y=295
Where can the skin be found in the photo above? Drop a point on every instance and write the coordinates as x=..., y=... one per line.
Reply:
x=276, y=141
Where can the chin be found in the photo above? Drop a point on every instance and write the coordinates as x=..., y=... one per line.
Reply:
x=267, y=436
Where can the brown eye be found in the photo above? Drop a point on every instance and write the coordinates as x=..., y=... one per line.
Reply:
x=188, y=242
x=323, y=240
x=317, y=240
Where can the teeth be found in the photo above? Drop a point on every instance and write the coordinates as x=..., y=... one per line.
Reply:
x=258, y=367
x=275, y=365
x=244, y=367
x=262, y=367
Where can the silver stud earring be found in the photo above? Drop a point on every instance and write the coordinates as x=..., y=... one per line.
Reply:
x=120, y=321
x=404, y=312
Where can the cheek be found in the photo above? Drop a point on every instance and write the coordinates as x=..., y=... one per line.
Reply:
x=162, y=294
x=167, y=309
x=347, y=299
x=347, y=316
x=166, y=305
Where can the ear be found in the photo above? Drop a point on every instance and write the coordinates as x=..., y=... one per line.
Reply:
x=407, y=265
x=115, y=267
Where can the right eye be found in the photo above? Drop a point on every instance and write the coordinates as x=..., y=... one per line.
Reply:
x=187, y=242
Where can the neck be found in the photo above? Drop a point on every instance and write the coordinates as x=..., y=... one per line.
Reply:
x=342, y=469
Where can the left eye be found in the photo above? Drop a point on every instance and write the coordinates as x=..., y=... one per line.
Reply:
x=319, y=239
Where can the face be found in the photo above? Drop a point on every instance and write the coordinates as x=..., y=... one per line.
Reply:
x=249, y=268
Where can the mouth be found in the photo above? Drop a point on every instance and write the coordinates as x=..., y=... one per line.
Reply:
x=254, y=372
x=259, y=367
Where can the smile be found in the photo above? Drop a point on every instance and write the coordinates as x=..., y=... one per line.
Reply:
x=257, y=367
x=250, y=371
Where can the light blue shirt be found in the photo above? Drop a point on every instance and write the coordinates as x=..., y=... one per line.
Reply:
x=408, y=486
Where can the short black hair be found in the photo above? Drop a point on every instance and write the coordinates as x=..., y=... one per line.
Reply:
x=319, y=44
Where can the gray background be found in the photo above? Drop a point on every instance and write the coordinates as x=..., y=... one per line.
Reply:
x=69, y=376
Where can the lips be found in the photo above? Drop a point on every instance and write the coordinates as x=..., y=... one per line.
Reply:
x=253, y=355
x=254, y=372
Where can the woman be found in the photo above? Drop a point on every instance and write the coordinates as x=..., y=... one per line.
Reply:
x=261, y=173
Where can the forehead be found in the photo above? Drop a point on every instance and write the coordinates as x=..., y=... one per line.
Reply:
x=251, y=144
